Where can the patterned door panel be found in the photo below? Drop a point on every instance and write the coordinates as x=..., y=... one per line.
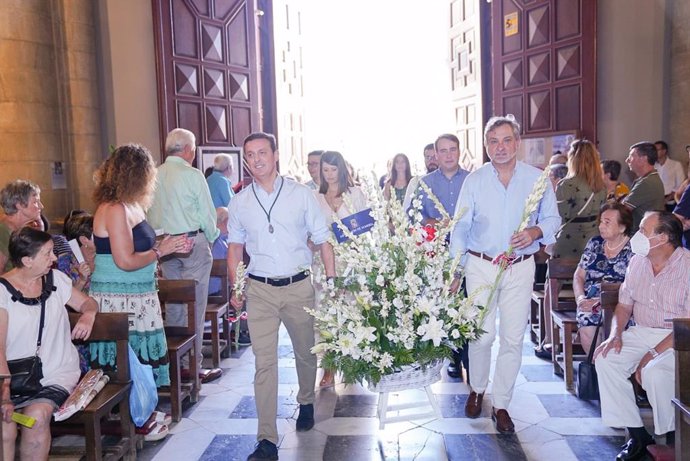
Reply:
x=207, y=68
x=544, y=61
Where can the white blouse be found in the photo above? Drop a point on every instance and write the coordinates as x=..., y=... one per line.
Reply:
x=59, y=356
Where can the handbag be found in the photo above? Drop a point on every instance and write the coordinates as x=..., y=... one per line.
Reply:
x=27, y=372
x=587, y=385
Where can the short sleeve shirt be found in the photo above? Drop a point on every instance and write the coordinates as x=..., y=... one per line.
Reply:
x=647, y=194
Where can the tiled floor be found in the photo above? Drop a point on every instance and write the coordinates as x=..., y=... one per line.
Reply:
x=551, y=424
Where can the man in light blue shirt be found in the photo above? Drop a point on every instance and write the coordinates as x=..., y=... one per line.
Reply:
x=445, y=182
x=272, y=218
x=492, y=201
x=218, y=181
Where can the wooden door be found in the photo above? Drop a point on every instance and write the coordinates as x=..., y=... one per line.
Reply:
x=208, y=78
x=466, y=65
x=544, y=64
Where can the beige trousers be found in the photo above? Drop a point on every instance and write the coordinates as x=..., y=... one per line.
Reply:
x=618, y=407
x=512, y=302
x=267, y=307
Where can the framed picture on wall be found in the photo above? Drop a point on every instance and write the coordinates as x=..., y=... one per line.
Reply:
x=206, y=154
x=537, y=151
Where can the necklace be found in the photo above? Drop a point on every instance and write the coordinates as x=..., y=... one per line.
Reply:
x=268, y=213
x=612, y=249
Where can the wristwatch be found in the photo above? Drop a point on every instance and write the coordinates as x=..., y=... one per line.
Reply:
x=654, y=353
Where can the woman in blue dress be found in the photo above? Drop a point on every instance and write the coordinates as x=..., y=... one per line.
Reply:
x=126, y=254
x=605, y=259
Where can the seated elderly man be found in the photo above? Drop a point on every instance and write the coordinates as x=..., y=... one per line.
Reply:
x=655, y=291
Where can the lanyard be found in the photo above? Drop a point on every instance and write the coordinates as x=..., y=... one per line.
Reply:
x=268, y=213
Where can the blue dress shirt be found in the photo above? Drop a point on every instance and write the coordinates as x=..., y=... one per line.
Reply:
x=446, y=190
x=492, y=212
x=220, y=188
x=296, y=216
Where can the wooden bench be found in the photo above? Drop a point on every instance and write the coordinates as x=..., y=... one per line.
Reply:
x=217, y=311
x=563, y=318
x=89, y=421
x=681, y=344
x=181, y=342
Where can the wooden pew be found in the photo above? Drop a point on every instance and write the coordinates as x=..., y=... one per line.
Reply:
x=217, y=311
x=181, y=341
x=88, y=422
x=681, y=344
x=563, y=321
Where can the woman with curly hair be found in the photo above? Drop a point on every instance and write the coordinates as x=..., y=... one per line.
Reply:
x=126, y=254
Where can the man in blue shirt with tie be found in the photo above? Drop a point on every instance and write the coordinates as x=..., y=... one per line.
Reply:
x=493, y=198
x=273, y=218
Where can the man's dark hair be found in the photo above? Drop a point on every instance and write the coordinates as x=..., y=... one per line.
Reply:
x=429, y=147
x=647, y=149
x=670, y=225
x=612, y=167
x=449, y=137
x=663, y=144
x=261, y=135
x=316, y=152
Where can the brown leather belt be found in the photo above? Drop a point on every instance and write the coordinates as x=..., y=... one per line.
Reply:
x=486, y=257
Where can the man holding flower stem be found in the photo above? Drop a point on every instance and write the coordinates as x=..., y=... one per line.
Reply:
x=496, y=199
x=272, y=218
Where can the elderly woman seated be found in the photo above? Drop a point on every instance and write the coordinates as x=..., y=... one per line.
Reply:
x=605, y=259
x=29, y=292
x=21, y=203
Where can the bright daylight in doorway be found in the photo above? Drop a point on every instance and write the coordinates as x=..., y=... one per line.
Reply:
x=376, y=78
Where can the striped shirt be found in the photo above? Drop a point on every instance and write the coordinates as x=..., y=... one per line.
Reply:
x=656, y=299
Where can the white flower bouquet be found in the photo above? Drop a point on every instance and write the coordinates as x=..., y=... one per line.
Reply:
x=392, y=305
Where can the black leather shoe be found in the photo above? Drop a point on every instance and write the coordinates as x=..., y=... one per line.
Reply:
x=634, y=450
x=305, y=420
x=454, y=371
x=265, y=450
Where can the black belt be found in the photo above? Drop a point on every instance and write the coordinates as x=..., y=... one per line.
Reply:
x=193, y=233
x=486, y=257
x=282, y=281
x=584, y=219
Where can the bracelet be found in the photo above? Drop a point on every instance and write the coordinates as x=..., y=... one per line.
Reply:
x=579, y=299
x=654, y=353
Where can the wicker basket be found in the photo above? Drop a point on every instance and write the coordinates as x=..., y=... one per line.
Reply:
x=413, y=377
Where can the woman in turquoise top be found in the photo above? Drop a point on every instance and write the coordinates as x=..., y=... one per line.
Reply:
x=126, y=253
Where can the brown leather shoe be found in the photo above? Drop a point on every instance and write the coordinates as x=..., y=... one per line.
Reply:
x=473, y=406
x=206, y=375
x=504, y=424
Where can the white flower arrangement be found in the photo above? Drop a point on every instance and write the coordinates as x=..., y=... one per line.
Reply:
x=391, y=305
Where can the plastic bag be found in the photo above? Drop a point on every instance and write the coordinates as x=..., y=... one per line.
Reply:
x=143, y=396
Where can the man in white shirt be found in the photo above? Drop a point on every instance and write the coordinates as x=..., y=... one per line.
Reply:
x=670, y=171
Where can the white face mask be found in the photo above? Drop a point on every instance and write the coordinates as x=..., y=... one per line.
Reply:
x=640, y=244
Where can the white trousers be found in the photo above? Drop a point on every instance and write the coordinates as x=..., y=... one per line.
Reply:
x=618, y=407
x=512, y=301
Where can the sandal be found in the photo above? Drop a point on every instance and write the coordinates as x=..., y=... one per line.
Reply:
x=543, y=352
x=153, y=431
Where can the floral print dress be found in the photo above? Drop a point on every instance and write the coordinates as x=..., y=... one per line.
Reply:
x=598, y=268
